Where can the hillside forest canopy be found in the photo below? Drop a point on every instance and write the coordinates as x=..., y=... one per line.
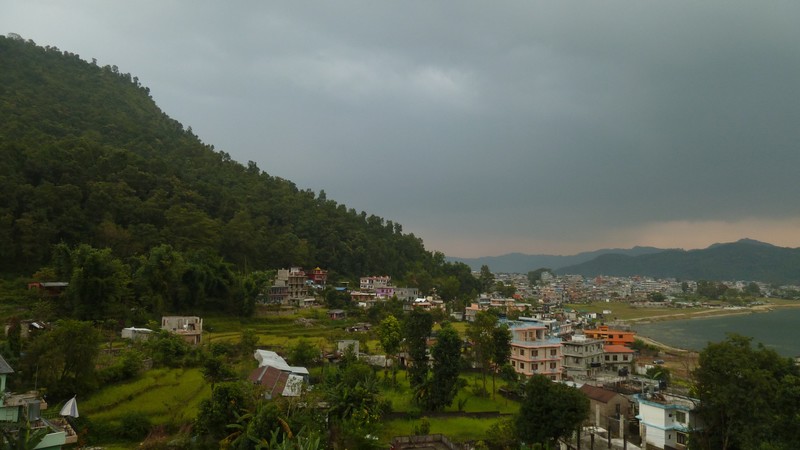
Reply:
x=95, y=175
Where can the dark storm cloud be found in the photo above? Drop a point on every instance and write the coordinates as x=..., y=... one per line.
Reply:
x=535, y=122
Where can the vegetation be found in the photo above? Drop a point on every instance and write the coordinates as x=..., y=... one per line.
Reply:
x=742, y=260
x=162, y=221
x=749, y=397
x=549, y=411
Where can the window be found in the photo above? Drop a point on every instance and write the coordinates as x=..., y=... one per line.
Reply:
x=522, y=352
x=552, y=365
x=608, y=358
x=553, y=352
x=624, y=357
x=534, y=352
x=615, y=357
x=513, y=364
x=535, y=367
x=683, y=438
x=522, y=365
x=680, y=416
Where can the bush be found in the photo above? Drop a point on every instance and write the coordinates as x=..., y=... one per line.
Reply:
x=134, y=426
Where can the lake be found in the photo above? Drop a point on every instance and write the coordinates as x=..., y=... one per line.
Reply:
x=778, y=329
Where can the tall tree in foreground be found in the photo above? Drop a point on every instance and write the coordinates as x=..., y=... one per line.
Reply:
x=391, y=336
x=480, y=333
x=501, y=350
x=443, y=385
x=418, y=326
x=749, y=397
x=549, y=411
x=63, y=359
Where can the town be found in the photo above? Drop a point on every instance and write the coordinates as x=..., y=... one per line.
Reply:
x=638, y=396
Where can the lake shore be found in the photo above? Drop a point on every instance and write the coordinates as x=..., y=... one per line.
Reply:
x=710, y=312
x=682, y=360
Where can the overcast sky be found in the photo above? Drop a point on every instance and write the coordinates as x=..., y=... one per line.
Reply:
x=483, y=127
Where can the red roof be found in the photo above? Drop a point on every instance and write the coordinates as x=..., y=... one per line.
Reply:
x=270, y=378
x=616, y=349
x=597, y=393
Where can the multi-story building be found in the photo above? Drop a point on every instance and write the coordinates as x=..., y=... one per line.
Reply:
x=290, y=287
x=533, y=353
x=611, y=336
x=665, y=420
x=318, y=277
x=618, y=357
x=372, y=283
x=406, y=294
x=583, y=357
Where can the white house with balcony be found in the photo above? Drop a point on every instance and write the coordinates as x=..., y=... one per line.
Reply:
x=666, y=420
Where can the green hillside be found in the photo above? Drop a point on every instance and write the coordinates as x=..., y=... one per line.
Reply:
x=742, y=260
x=88, y=158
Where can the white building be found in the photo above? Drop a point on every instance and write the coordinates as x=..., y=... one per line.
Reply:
x=665, y=420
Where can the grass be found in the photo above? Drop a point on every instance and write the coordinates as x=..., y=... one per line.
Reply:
x=166, y=396
x=458, y=429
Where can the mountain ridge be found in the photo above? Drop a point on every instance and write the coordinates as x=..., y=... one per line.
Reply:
x=745, y=259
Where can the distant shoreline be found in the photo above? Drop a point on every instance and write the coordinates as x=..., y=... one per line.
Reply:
x=704, y=314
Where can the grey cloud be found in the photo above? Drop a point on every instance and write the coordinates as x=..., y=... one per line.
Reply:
x=531, y=119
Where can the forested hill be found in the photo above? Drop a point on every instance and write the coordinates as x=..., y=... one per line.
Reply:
x=745, y=259
x=87, y=157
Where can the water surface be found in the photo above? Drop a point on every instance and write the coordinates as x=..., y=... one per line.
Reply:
x=778, y=329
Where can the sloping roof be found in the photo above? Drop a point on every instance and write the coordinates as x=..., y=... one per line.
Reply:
x=277, y=382
x=4, y=366
x=617, y=349
x=270, y=358
x=597, y=393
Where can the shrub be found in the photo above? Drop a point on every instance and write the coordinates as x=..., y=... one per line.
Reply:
x=134, y=426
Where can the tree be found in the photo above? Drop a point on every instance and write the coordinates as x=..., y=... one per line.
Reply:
x=98, y=283
x=480, y=333
x=549, y=411
x=63, y=359
x=752, y=289
x=417, y=329
x=535, y=276
x=501, y=350
x=391, y=336
x=486, y=278
x=215, y=369
x=749, y=397
x=228, y=401
x=443, y=385
x=304, y=353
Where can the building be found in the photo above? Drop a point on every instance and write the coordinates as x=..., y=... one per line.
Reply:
x=533, y=353
x=318, y=277
x=16, y=408
x=49, y=288
x=406, y=294
x=611, y=336
x=608, y=409
x=136, y=334
x=583, y=357
x=372, y=283
x=190, y=328
x=665, y=420
x=276, y=376
x=618, y=357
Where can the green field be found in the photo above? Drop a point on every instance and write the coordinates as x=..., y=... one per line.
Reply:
x=166, y=396
x=171, y=397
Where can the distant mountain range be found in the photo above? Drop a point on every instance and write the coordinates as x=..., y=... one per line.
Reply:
x=522, y=263
x=745, y=259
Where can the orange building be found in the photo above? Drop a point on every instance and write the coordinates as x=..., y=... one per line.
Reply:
x=611, y=337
